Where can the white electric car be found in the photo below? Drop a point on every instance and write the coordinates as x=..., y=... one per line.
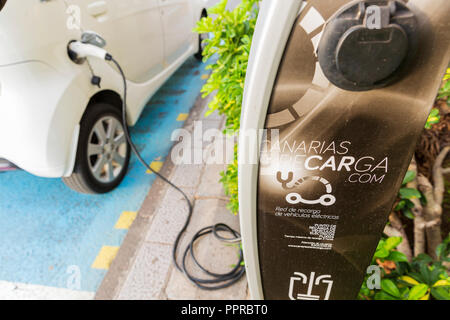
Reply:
x=54, y=122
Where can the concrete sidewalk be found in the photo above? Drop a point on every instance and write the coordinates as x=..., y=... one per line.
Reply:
x=143, y=268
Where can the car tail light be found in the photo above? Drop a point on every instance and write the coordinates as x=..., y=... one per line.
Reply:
x=5, y=165
x=2, y=4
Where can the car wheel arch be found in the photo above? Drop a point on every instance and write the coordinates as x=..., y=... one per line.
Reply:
x=106, y=96
x=103, y=96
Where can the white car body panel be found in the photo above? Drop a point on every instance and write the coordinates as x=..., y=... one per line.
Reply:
x=43, y=94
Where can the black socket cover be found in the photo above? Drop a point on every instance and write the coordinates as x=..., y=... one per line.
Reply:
x=368, y=45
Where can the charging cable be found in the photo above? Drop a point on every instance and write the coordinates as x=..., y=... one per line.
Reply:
x=79, y=51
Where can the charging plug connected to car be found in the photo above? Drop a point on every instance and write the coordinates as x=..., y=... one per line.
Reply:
x=92, y=45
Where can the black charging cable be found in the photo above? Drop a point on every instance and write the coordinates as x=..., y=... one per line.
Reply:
x=215, y=281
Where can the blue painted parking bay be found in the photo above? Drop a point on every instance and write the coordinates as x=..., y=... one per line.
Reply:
x=49, y=234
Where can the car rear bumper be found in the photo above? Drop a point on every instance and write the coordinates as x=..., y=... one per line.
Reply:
x=37, y=118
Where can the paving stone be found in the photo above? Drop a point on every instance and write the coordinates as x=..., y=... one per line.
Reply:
x=204, y=124
x=211, y=131
x=147, y=277
x=213, y=116
x=210, y=185
x=220, y=151
x=169, y=217
x=179, y=288
x=205, y=108
x=199, y=142
x=203, y=215
x=237, y=291
x=187, y=175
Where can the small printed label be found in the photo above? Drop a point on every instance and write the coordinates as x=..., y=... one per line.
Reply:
x=290, y=212
x=320, y=237
x=323, y=231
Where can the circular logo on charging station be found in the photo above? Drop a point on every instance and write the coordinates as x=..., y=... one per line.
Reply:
x=326, y=199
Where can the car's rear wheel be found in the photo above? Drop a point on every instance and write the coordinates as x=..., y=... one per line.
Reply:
x=103, y=152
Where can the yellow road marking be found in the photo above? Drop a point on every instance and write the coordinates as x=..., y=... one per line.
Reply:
x=105, y=257
x=182, y=117
x=155, y=165
x=126, y=220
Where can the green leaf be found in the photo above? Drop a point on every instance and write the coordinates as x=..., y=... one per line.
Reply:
x=384, y=296
x=404, y=292
x=409, y=280
x=218, y=8
x=409, y=193
x=416, y=276
x=440, y=293
x=442, y=283
x=434, y=112
x=426, y=274
x=389, y=287
x=408, y=213
x=423, y=258
x=433, y=118
x=381, y=253
x=397, y=257
x=400, y=205
x=409, y=204
x=442, y=250
x=418, y=292
x=392, y=243
x=410, y=176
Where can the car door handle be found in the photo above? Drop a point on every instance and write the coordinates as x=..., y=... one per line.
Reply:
x=97, y=8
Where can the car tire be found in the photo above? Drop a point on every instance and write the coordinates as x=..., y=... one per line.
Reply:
x=103, y=153
x=201, y=37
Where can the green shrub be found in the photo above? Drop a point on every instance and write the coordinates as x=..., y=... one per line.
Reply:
x=444, y=92
x=231, y=37
x=433, y=118
x=421, y=279
x=405, y=195
x=228, y=48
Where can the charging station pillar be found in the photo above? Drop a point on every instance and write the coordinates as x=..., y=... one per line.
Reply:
x=337, y=94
